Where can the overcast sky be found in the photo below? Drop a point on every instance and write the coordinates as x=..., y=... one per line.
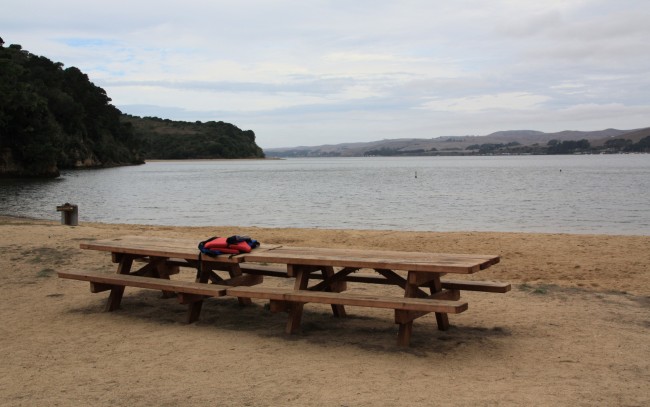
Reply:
x=325, y=72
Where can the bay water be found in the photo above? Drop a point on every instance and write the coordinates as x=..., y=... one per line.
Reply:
x=602, y=194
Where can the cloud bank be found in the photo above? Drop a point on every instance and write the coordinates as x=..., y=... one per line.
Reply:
x=309, y=73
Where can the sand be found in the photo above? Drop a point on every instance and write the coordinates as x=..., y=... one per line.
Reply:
x=574, y=331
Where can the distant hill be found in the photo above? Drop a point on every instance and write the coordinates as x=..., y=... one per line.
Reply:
x=511, y=141
x=634, y=136
x=168, y=139
x=53, y=118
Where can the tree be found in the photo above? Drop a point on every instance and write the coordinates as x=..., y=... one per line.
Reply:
x=53, y=118
x=568, y=146
x=617, y=144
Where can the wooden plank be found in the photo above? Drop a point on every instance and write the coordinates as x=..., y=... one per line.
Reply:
x=160, y=247
x=419, y=279
x=265, y=270
x=334, y=281
x=485, y=286
x=400, y=281
x=295, y=311
x=115, y=297
x=188, y=299
x=146, y=271
x=305, y=296
x=236, y=277
x=119, y=280
x=163, y=273
x=404, y=334
x=467, y=285
x=442, y=319
x=335, y=284
x=402, y=316
x=396, y=260
x=415, y=261
x=194, y=309
x=245, y=280
x=98, y=287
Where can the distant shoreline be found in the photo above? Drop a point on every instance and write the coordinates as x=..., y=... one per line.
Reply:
x=213, y=159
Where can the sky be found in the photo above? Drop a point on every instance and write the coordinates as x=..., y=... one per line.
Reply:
x=307, y=73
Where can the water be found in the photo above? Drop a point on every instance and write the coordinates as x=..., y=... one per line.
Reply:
x=567, y=194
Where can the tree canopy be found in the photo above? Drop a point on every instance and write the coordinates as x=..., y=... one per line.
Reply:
x=168, y=139
x=53, y=117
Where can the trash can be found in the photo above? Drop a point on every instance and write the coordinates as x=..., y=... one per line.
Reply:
x=69, y=214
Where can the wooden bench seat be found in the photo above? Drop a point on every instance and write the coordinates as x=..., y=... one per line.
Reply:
x=484, y=286
x=306, y=296
x=104, y=282
x=467, y=285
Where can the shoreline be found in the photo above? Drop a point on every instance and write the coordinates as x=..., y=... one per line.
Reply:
x=153, y=225
x=597, y=262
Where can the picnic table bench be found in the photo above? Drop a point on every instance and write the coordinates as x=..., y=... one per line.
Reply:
x=320, y=275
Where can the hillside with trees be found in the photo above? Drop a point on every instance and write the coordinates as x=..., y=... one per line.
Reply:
x=511, y=142
x=54, y=118
x=177, y=140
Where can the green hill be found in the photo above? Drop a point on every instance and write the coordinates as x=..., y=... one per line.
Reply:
x=53, y=118
x=167, y=139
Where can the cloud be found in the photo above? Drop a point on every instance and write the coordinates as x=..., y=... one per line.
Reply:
x=314, y=72
x=512, y=101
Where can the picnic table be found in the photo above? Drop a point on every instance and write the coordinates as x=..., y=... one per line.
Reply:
x=320, y=275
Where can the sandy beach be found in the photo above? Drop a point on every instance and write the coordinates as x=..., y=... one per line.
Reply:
x=574, y=330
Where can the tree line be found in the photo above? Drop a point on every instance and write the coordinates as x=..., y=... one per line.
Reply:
x=54, y=118
x=582, y=146
x=176, y=140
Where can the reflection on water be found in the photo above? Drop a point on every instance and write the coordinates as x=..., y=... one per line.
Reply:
x=573, y=194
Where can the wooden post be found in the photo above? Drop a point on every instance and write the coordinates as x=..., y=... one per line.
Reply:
x=162, y=269
x=69, y=214
x=406, y=327
x=235, y=271
x=441, y=318
x=194, y=309
x=295, y=313
x=337, y=287
x=404, y=334
x=115, y=297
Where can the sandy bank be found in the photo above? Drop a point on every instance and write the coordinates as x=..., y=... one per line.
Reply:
x=575, y=330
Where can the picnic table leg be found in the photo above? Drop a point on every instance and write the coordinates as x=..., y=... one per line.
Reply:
x=441, y=318
x=235, y=271
x=295, y=313
x=404, y=334
x=194, y=308
x=163, y=271
x=337, y=287
x=115, y=297
x=406, y=328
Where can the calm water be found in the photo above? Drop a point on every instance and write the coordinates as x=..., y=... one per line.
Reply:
x=572, y=194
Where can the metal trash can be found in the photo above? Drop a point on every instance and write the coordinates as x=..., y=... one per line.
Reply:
x=69, y=214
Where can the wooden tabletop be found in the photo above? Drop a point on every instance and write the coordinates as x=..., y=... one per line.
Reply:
x=360, y=258
x=375, y=259
x=158, y=247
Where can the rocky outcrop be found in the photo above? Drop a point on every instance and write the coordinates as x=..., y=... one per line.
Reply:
x=10, y=167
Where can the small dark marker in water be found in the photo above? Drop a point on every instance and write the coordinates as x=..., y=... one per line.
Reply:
x=416, y=174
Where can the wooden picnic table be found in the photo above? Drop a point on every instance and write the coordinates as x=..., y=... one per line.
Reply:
x=320, y=276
